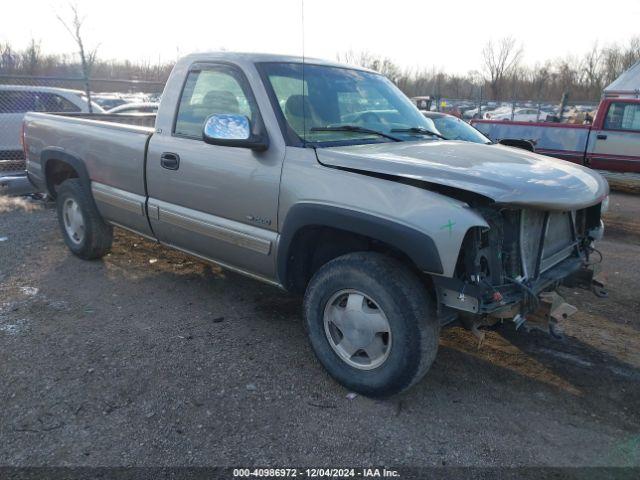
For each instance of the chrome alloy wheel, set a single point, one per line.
(357, 329)
(73, 220)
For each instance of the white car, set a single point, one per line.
(475, 112)
(490, 113)
(108, 100)
(15, 101)
(135, 108)
(519, 115)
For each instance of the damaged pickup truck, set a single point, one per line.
(326, 180)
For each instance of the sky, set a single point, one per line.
(447, 35)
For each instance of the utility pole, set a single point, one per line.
(563, 105)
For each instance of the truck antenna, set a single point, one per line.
(304, 114)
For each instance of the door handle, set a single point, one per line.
(601, 137)
(170, 161)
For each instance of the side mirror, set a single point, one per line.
(231, 130)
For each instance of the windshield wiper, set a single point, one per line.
(419, 130)
(354, 128)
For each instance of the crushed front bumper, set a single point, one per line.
(489, 300)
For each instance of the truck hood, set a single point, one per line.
(503, 174)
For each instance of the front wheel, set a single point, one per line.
(371, 323)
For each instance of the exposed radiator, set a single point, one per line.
(558, 242)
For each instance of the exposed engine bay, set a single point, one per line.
(511, 270)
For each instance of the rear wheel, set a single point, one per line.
(83, 229)
(371, 323)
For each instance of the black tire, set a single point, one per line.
(406, 304)
(98, 235)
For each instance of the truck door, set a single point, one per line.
(213, 201)
(615, 145)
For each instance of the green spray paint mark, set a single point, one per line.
(449, 225)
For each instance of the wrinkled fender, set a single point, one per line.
(78, 165)
(418, 246)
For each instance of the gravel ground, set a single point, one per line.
(150, 357)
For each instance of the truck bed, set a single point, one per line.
(13, 179)
(105, 143)
(112, 149)
(561, 140)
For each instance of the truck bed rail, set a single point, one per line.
(141, 119)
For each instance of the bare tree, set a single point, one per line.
(499, 62)
(616, 59)
(631, 53)
(8, 59)
(547, 81)
(566, 73)
(612, 59)
(32, 57)
(374, 62)
(87, 58)
(592, 69)
(541, 78)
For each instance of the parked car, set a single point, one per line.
(452, 128)
(518, 115)
(475, 112)
(136, 108)
(15, 101)
(388, 230)
(498, 110)
(107, 101)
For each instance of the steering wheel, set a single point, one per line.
(369, 117)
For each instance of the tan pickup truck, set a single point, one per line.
(325, 180)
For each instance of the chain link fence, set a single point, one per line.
(512, 110)
(20, 94)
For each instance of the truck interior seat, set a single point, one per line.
(296, 109)
(220, 101)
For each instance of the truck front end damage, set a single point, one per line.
(542, 216)
(511, 270)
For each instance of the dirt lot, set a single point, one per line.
(152, 358)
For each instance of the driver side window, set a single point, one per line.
(209, 92)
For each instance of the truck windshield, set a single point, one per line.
(335, 105)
